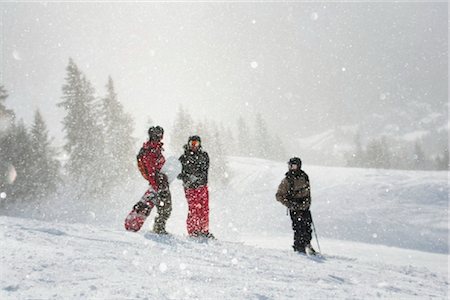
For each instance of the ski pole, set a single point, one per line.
(315, 234)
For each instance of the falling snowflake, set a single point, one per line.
(314, 16)
(254, 64)
(16, 55)
(162, 267)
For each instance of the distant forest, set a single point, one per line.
(99, 153)
(98, 157)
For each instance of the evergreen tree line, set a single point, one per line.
(258, 140)
(220, 142)
(255, 141)
(99, 149)
(99, 144)
(28, 165)
(389, 154)
(214, 140)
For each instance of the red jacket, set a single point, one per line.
(150, 161)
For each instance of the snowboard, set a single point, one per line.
(141, 210)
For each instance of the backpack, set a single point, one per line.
(140, 162)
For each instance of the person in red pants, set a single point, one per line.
(194, 174)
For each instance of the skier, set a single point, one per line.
(150, 161)
(194, 174)
(294, 192)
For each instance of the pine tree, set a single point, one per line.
(181, 130)
(45, 167)
(6, 120)
(6, 115)
(214, 145)
(119, 144)
(230, 144)
(278, 151)
(3, 96)
(244, 139)
(7, 171)
(262, 141)
(356, 158)
(377, 154)
(442, 161)
(17, 152)
(419, 158)
(84, 137)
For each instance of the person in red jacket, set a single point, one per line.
(194, 174)
(150, 161)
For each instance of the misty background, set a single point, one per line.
(320, 74)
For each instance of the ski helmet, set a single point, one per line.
(295, 161)
(155, 133)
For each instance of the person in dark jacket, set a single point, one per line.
(194, 174)
(294, 192)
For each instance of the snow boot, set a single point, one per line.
(206, 235)
(310, 250)
(299, 250)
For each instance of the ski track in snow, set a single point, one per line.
(384, 234)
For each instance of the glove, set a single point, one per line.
(193, 178)
(142, 207)
(290, 204)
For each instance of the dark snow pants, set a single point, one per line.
(301, 224)
(164, 210)
(163, 207)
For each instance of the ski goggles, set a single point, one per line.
(194, 144)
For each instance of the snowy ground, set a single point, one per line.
(384, 233)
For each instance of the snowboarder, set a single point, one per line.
(194, 174)
(150, 160)
(294, 192)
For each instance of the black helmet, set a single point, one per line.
(194, 138)
(155, 133)
(295, 161)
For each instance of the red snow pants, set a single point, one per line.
(198, 215)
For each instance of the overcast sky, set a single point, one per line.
(306, 67)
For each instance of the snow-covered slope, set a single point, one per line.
(407, 209)
(61, 261)
(385, 234)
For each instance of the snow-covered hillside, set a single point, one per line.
(384, 234)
